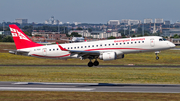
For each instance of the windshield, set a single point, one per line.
(162, 39)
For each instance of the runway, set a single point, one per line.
(130, 65)
(89, 87)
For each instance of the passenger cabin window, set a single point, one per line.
(131, 42)
(127, 42)
(142, 41)
(96, 45)
(105, 45)
(81, 46)
(49, 49)
(116, 43)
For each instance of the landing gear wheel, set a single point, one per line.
(157, 57)
(90, 64)
(96, 63)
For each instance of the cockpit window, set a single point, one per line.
(160, 39)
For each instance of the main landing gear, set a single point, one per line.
(90, 64)
(157, 57)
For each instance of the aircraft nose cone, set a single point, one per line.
(172, 45)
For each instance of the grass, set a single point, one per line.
(91, 75)
(168, 57)
(85, 96)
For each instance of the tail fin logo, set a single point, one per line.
(16, 33)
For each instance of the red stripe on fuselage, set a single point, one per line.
(50, 56)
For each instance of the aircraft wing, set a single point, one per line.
(81, 53)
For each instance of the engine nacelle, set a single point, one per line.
(108, 56)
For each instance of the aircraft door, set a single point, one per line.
(44, 51)
(152, 43)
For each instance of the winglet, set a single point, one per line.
(61, 47)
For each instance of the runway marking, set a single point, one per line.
(47, 89)
(44, 83)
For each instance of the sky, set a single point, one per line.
(88, 11)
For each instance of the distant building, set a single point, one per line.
(113, 22)
(21, 21)
(48, 36)
(134, 29)
(134, 22)
(158, 21)
(148, 21)
(77, 23)
(171, 32)
(84, 33)
(103, 34)
(98, 34)
(125, 21)
(167, 23)
(52, 21)
(177, 23)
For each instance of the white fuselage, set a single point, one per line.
(119, 46)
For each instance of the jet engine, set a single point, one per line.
(110, 56)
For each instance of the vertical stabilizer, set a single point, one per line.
(21, 39)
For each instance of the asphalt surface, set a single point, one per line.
(89, 87)
(130, 65)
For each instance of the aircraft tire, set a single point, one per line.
(157, 57)
(96, 63)
(90, 64)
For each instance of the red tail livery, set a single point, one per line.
(21, 39)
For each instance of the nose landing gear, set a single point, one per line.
(156, 53)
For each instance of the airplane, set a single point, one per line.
(75, 39)
(104, 50)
